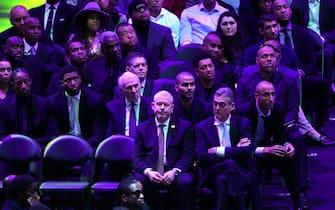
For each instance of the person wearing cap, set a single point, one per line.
(90, 22)
(156, 37)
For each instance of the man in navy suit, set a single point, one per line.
(224, 154)
(164, 153)
(61, 23)
(77, 110)
(271, 140)
(119, 110)
(286, 85)
(151, 35)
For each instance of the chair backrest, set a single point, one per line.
(164, 84)
(19, 148)
(189, 52)
(68, 149)
(174, 67)
(67, 158)
(116, 148)
(116, 155)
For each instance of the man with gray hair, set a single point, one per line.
(125, 113)
(224, 152)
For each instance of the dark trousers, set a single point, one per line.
(316, 89)
(182, 188)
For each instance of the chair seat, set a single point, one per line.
(66, 187)
(103, 187)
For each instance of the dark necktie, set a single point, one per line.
(160, 161)
(132, 121)
(259, 135)
(32, 51)
(49, 23)
(287, 37)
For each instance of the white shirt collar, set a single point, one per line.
(75, 96)
(47, 5)
(218, 122)
(27, 47)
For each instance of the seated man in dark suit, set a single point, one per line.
(164, 153)
(14, 52)
(77, 110)
(17, 16)
(224, 154)
(92, 78)
(271, 139)
(57, 17)
(24, 113)
(125, 113)
(38, 51)
(187, 106)
(208, 79)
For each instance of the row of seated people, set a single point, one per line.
(157, 41)
(129, 85)
(43, 65)
(227, 146)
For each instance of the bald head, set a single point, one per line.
(18, 14)
(265, 96)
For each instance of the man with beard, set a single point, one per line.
(156, 37)
(77, 110)
(271, 140)
(208, 79)
(286, 85)
(91, 77)
(186, 106)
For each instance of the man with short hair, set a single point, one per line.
(273, 147)
(131, 194)
(17, 16)
(224, 152)
(126, 113)
(77, 110)
(92, 78)
(129, 43)
(208, 79)
(164, 154)
(187, 106)
(56, 17)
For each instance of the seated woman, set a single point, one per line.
(232, 36)
(5, 79)
(90, 22)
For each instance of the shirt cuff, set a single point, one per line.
(146, 170)
(259, 151)
(220, 151)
